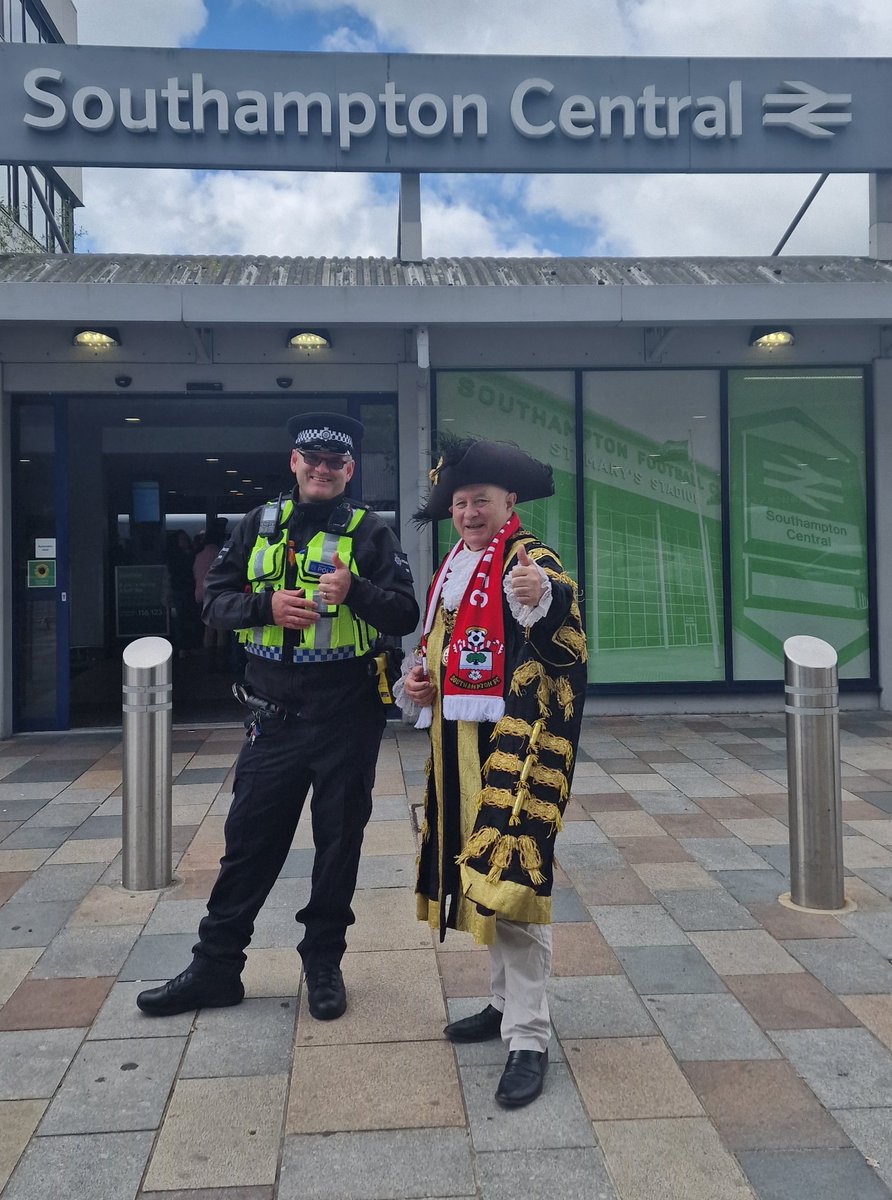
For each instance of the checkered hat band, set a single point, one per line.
(324, 435)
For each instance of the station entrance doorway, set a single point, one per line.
(116, 505)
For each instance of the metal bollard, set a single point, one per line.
(813, 770)
(147, 709)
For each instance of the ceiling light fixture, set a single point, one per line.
(309, 339)
(770, 337)
(96, 339)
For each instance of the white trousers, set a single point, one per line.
(520, 966)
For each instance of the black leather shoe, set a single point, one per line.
(522, 1078)
(326, 994)
(196, 987)
(481, 1027)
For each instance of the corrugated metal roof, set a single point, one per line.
(258, 271)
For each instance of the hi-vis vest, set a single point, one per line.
(338, 633)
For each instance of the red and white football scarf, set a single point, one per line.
(474, 675)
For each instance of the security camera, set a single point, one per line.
(284, 381)
(123, 380)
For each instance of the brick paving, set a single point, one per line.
(709, 1043)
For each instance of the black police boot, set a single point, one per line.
(204, 984)
(481, 1027)
(522, 1078)
(326, 994)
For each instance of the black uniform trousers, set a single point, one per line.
(273, 775)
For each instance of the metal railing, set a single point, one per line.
(147, 714)
(813, 772)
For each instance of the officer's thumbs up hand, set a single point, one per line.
(526, 580)
(334, 585)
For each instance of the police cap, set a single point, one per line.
(326, 431)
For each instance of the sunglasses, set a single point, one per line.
(334, 462)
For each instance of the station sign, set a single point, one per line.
(120, 106)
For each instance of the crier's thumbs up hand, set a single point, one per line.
(334, 585)
(526, 580)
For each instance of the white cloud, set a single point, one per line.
(139, 23)
(706, 214)
(274, 214)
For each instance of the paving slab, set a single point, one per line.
(722, 854)
(219, 1133)
(14, 966)
(378, 1086)
(579, 949)
(87, 951)
(599, 1006)
(637, 925)
(745, 952)
(782, 1001)
(845, 1068)
(18, 1120)
(675, 1158)
(55, 1003)
(556, 1119)
(705, 909)
(101, 1166)
(160, 956)
(32, 1062)
(115, 1087)
(629, 1078)
(32, 924)
(871, 1131)
(844, 965)
(708, 1027)
(811, 1175)
(394, 1165)
(579, 1174)
(669, 969)
(252, 1038)
(763, 1106)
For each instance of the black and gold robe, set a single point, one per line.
(496, 792)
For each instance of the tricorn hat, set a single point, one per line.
(326, 431)
(465, 462)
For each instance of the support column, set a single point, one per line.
(5, 561)
(882, 398)
(880, 220)
(408, 240)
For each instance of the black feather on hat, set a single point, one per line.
(464, 462)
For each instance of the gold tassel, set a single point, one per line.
(478, 843)
(501, 857)
(573, 640)
(552, 778)
(425, 830)
(564, 691)
(558, 745)
(525, 674)
(530, 858)
(428, 767)
(499, 760)
(521, 799)
(513, 726)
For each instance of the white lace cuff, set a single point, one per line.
(524, 614)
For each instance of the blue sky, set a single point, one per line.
(568, 215)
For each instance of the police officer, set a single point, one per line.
(306, 581)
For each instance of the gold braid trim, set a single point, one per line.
(572, 640)
(499, 760)
(478, 843)
(428, 767)
(558, 745)
(551, 778)
(561, 577)
(510, 725)
(524, 675)
(540, 552)
(563, 689)
(541, 810)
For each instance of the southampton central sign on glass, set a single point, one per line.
(91, 105)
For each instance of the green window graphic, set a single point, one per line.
(798, 517)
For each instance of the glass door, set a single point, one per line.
(40, 567)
